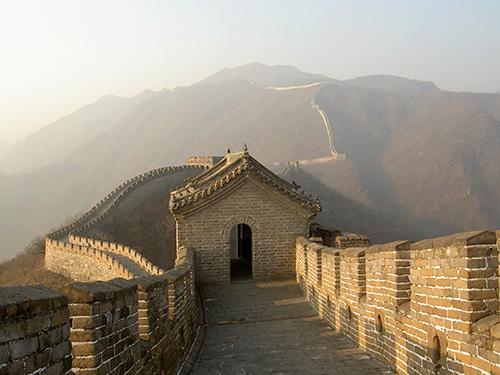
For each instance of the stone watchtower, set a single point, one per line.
(241, 219)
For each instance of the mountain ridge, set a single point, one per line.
(266, 75)
(396, 141)
(391, 83)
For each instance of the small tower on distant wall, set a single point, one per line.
(204, 161)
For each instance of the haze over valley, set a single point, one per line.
(255, 187)
(419, 162)
(3, 147)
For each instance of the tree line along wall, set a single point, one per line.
(425, 307)
(141, 326)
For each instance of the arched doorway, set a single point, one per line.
(241, 252)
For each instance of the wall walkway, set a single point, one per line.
(268, 327)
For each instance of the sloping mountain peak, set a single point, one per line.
(391, 83)
(57, 140)
(267, 75)
(144, 96)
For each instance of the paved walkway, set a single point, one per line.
(269, 328)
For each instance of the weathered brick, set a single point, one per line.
(23, 347)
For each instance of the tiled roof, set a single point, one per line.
(229, 169)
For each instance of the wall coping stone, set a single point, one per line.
(331, 250)
(96, 291)
(302, 241)
(353, 252)
(391, 246)
(147, 283)
(484, 324)
(123, 283)
(182, 265)
(353, 236)
(478, 237)
(313, 246)
(495, 331)
(27, 300)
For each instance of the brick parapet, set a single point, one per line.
(64, 258)
(141, 326)
(346, 240)
(152, 292)
(204, 161)
(80, 258)
(117, 248)
(427, 306)
(387, 289)
(34, 331)
(335, 238)
(103, 208)
(327, 235)
(104, 326)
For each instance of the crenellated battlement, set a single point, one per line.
(421, 307)
(418, 307)
(117, 248)
(104, 206)
(140, 326)
(70, 253)
(83, 263)
(204, 161)
(125, 314)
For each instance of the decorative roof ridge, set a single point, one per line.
(223, 164)
(228, 170)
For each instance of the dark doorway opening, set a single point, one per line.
(241, 252)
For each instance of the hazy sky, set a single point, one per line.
(56, 56)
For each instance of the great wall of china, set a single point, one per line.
(421, 308)
(106, 323)
(324, 119)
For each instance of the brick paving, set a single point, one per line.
(269, 328)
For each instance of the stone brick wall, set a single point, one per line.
(34, 331)
(327, 235)
(335, 238)
(140, 326)
(117, 248)
(69, 253)
(204, 161)
(274, 222)
(104, 326)
(82, 263)
(425, 307)
(346, 240)
(105, 206)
